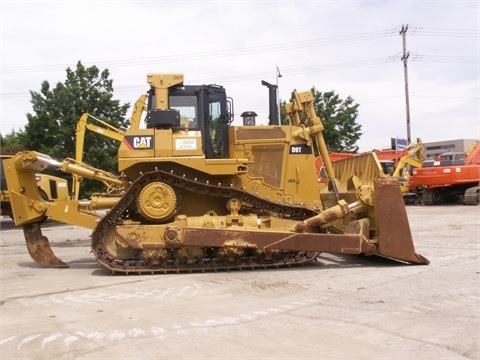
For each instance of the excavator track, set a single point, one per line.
(429, 197)
(472, 195)
(188, 259)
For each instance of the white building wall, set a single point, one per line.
(433, 149)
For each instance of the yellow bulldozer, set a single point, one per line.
(196, 193)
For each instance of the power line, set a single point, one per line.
(446, 32)
(449, 59)
(297, 71)
(382, 98)
(254, 76)
(275, 47)
(257, 49)
(207, 54)
(204, 55)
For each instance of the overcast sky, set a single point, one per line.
(351, 47)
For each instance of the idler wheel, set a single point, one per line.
(116, 247)
(157, 202)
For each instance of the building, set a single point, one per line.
(433, 149)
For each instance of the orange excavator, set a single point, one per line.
(454, 177)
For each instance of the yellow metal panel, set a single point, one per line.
(163, 143)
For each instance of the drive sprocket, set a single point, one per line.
(157, 202)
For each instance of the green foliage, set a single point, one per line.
(11, 143)
(284, 120)
(51, 129)
(339, 120)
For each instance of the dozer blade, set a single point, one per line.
(395, 239)
(39, 247)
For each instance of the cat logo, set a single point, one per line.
(138, 142)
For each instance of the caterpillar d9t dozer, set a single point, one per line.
(197, 194)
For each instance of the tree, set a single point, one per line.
(11, 143)
(341, 131)
(51, 130)
(339, 120)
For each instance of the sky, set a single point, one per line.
(351, 47)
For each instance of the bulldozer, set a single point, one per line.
(197, 193)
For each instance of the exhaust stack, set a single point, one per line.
(273, 115)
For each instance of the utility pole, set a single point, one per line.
(403, 32)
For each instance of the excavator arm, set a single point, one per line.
(412, 157)
(406, 160)
(473, 154)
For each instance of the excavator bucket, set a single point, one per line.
(395, 238)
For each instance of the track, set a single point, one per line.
(452, 194)
(184, 259)
(472, 195)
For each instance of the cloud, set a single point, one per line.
(352, 47)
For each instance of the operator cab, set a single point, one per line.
(388, 167)
(452, 158)
(203, 108)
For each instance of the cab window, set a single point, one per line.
(187, 106)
